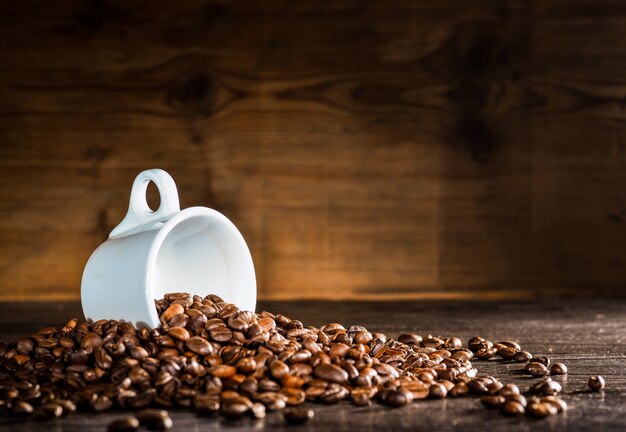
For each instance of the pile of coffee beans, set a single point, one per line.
(210, 356)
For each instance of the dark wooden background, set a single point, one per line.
(365, 149)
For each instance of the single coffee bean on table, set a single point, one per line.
(124, 424)
(558, 369)
(210, 356)
(596, 383)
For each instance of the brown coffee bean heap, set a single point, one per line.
(215, 358)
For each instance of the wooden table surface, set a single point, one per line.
(589, 336)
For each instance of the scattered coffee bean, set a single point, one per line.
(513, 408)
(21, 408)
(492, 401)
(557, 402)
(517, 398)
(124, 424)
(522, 357)
(397, 398)
(438, 391)
(299, 415)
(536, 369)
(507, 352)
(541, 410)
(509, 390)
(541, 359)
(155, 419)
(551, 388)
(558, 369)
(596, 383)
(48, 411)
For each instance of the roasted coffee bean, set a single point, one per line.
(537, 388)
(124, 424)
(541, 359)
(492, 401)
(541, 410)
(395, 398)
(178, 333)
(438, 391)
(155, 419)
(48, 411)
(555, 401)
(236, 407)
(331, 373)
(258, 410)
(511, 344)
(551, 388)
(507, 353)
(517, 398)
(486, 353)
(459, 389)
(596, 383)
(410, 339)
(513, 408)
(558, 369)
(22, 408)
(298, 415)
(509, 390)
(521, 357)
(199, 345)
(536, 369)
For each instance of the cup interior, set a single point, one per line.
(202, 254)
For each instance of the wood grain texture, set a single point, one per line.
(588, 336)
(364, 149)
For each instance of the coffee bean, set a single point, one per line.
(459, 389)
(522, 357)
(558, 369)
(48, 411)
(410, 339)
(235, 407)
(492, 401)
(541, 359)
(222, 371)
(258, 410)
(551, 388)
(155, 419)
(199, 345)
(396, 398)
(511, 344)
(507, 353)
(513, 408)
(517, 398)
(331, 373)
(509, 390)
(298, 415)
(541, 410)
(178, 333)
(22, 408)
(486, 353)
(555, 401)
(596, 383)
(124, 424)
(174, 309)
(537, 388)
(536, 369)
(438, 391)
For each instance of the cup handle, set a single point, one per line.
(139, 214)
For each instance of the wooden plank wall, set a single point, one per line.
(365, 149)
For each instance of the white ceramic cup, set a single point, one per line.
(195, 250)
